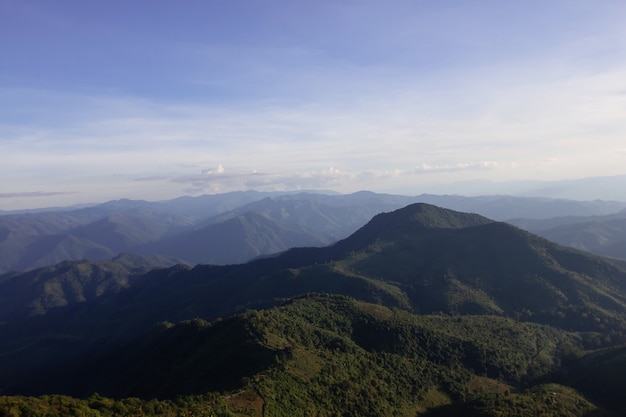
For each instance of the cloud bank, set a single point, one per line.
(396, 97)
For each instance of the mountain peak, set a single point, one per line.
(414, 218)
(429, 216)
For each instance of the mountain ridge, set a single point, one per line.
(418, 263)
(31, 240)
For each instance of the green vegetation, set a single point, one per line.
(423, 311)
(549, 400)
(98, 406)
(329, 355)
(70, 282)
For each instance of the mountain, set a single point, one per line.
(209, 205)
(505, 207)
(420, 257)
(236, 240)
(422, 310)
(602, 235)
(606, 238)
(335, 216)
(42, 290)
(36, 239)
(122, 232)
(29, 241)
(590, 188)
(453, 262)
(186, 227)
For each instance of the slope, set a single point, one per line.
(458, 263)
(330, 355)
(39, 291)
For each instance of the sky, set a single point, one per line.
(154, 99)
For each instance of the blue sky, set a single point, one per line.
(157, 99)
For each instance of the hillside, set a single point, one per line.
(329, 355)
(461, 263)
(39, 291)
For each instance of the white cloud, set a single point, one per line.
(35, 194)
(383, 113)
(464, 166)
(216, 171)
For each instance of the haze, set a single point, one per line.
(157, 99)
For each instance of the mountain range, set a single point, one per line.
(421, 311)
(234, 227)
(603, 235)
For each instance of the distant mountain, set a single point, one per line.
(335, 216)
(505, 207)
(125, 231)
(611, 188)
(206, 206)
(33, 240)
(602, 235)
(186, 227)
(236, 240)
(36, 240)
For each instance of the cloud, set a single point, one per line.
(36, 194)
(217, 171)
(412, 104)
(217, 181)
(459, 167)
(328, 178)
(151, 179)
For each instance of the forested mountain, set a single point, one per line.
(39, 291)
(319, 343)
(187, 227)
(500, 310)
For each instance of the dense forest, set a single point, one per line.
(422, 312)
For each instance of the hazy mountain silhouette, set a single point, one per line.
(31, 240)
(602, 235)
(236, 240)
